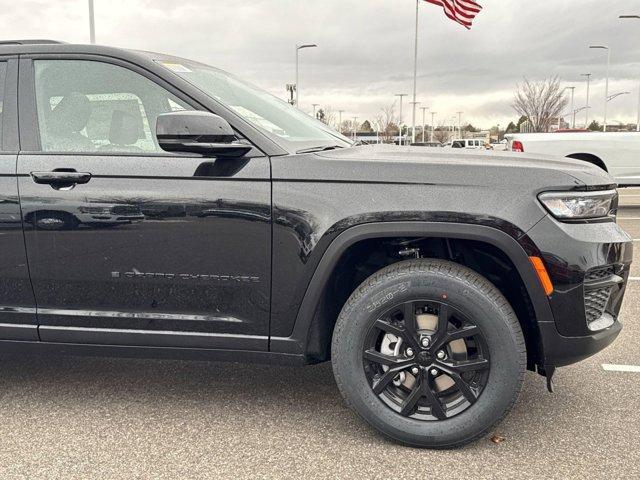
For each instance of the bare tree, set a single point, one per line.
(347, 127)
(441, 134)
(385, 123)
(329, 117)
(541, 102)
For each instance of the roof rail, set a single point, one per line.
(28, 42)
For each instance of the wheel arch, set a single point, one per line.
(590, 158)
(309, 325)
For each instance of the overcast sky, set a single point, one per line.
(366, 47)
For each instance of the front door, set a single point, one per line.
(129, 245)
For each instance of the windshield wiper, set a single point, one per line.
(319, 149)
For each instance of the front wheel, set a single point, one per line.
(429, 353)
(55, 221)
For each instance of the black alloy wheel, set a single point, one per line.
(429, 353)
(432, 374)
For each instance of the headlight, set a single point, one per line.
(580, 205)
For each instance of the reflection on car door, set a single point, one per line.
(128, 245)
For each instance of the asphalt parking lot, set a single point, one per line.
(121, 418)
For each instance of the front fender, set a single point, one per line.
(513, 248)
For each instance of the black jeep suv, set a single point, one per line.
(155, 206)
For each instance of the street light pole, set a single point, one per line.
(340, 112)
(616, 95)
(315, 106)
(460, 124)
(433, 125)
(573, 121)
(355, 128)
(586, 120)
(415, 77)
(636, 17)
(298, 48)
(578, 110)
(413, 126)
(424, 124)
(92, 24)
(606, 88)
(401, 96)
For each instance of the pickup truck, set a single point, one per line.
(617, 153)
(432, 279)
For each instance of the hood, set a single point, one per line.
(424, 165)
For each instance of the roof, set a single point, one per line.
(29, 42)
(29, 46)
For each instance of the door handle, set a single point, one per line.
(61, 178)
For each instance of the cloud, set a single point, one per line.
(365, 47)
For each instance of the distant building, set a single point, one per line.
(558, 124)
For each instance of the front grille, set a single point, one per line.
(595, 302)
(599, 273)
(125, 210)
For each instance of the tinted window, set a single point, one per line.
(88, 106)
(287, 125)
(3, 78)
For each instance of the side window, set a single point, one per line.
(90, 106)
(3, 78)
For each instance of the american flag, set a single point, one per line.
(461, 11)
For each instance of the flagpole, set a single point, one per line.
(415, 78)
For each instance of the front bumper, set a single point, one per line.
(589, 266)
(560, 350)
(108, 218)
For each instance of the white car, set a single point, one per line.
(616, 152)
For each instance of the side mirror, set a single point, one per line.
(198, 132)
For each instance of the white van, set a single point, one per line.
(471, 143)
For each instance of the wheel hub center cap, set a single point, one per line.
(424, 359)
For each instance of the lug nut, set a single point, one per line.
(441, 355)
(409, 352)
(415, 370)
(434, 372)
(425, 342)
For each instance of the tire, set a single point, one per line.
(459, 294)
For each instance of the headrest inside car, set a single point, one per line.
(126, 128)
(71, 114)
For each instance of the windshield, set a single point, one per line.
(285, 124)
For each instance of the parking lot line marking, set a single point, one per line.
(634, 279)
(628, 218)
(621, 368)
